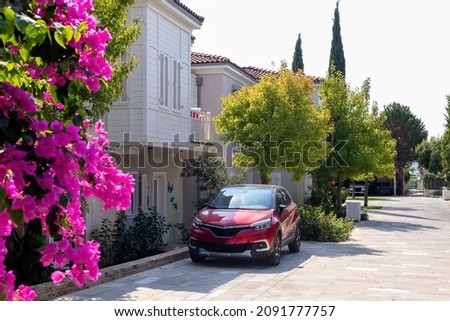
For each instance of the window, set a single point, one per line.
(159, 192)
(139, 198)
(176, 85)
(169, 82)
(164, 80)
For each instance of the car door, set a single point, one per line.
(285, 213)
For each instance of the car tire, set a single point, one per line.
(274, 258)
(294, 246)
(195, 257)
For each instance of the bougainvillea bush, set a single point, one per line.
(51, 157)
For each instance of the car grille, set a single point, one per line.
(221, 248)
(225, 231)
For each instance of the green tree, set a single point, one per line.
(337, 58)
(429, 155)
(445, 143)
(297, 62)
(361, 148)
(112, 14)
(276, 125)
(408, 130)
(378, 150)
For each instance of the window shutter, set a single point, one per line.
(144, 192)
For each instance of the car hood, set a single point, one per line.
(229, 217)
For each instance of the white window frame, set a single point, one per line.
(176, 85)
(139, 198)
(169, 82)
(159, 192)
(163, 80)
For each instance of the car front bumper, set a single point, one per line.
(257, 249)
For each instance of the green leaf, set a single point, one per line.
(68, 33)
(22, 21)
(77, 120)
(24, 53)
(53, 93)
(76, 35)
(9, 13)
(10, 66)
(59, 38)
(16, 216)
(64, 200)
(3, 203)
(6, 30)
(65, 64)
(37, 32)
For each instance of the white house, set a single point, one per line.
(153, 118)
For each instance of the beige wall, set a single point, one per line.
(171, 189)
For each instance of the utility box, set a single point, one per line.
(445, 193)
(353, 210)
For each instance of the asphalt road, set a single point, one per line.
(401, 253)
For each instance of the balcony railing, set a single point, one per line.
(200, 125)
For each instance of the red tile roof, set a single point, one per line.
(255, 72)
(188, 10)
(202, 58)
(258, 73)
(198, 58)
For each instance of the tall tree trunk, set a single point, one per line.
(264, 179)
(338, 201)
(366, 193)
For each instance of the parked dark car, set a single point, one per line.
(246, 221)
(384, 189)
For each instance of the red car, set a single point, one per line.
(246, 221)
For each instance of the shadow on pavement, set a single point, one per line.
(342, 249)
(384, 212)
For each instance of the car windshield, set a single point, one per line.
(243, 198)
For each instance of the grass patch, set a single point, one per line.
(372, 207)
(372, 198)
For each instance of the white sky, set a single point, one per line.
(403, 46)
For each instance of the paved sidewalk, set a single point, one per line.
(401, 253)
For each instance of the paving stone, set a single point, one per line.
(401, 253)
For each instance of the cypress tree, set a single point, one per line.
(337, 49)
(297, 62)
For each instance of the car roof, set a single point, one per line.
(261, 186)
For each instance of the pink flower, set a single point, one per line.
(24, 293)
(57, 277)
(6, 224)
(13, 50)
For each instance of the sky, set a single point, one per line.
(403, 46)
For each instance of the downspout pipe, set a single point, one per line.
(199, 83)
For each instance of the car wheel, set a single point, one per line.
(274, 258)
(294, 246)
(195, 257)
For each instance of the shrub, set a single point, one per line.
(121, 243)
(316, 225)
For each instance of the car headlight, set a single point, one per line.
(197, 222)
(261, 225)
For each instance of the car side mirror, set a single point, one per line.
(281, 208)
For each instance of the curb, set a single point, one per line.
(49, 291)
